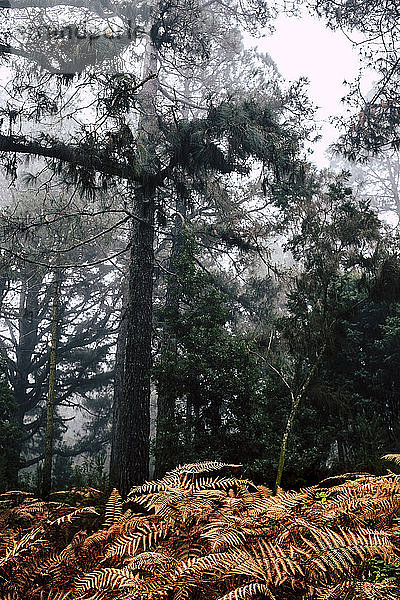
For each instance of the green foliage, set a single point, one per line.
(335, 240)
(232, 136)
(91, 473)
(208, 377)
(379, 570)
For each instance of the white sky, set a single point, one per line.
(305, 47)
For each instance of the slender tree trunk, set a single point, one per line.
(394, 186)
(340, 447)
(296, 399)
(3, 288)
(49, 436)
(289, 424)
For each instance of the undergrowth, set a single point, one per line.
(202, 536)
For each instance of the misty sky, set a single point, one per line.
(305, 47)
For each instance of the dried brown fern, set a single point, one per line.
(113, 509)
(206, 537)
(393, 457)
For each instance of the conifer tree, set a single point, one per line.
(140, 145)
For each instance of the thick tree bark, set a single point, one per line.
(132, 439)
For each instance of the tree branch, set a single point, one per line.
(100, 162)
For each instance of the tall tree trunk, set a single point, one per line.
(131, 443)
(49, 436)
(165, 404)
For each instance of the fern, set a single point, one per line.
(248, 591)
(202, 467)
(393, 457)
(145, 537)
(205, 537)
(113, 509)
(182, 476)
(151, 561)
(76, 514)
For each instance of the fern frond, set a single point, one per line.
(360, 590)
(14, 497)
(67, 557)
(113, 511)
(60, 596)
(88, 510)
(277, 507)
(341, 551)
(84, 492)
(277, 563)
(179, 477)
(147, 589)
(144, 538)
(151, 561)
(106, 579)
(224, 534)
(248, 591)
(23, 545)
(34, 509)
(392, 457)
(220, 563)
(223, 483)
(178, 504)
(207, 466)
(212, 563)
